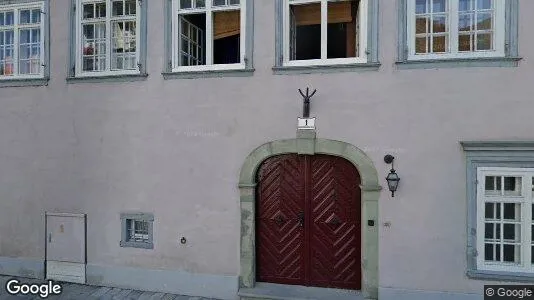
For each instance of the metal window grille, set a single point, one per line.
(137, 231)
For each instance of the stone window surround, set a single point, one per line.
(511, 58)
(516, 154)
(148, 217)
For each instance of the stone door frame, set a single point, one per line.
(307, 143)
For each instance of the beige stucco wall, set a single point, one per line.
(175, 148)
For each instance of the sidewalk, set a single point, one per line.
(79, 291)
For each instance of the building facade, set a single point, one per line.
(155, 145)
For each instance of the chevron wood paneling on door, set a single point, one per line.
(308, 222)
(335, 223)
(280, 238)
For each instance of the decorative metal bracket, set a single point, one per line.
(306, 99)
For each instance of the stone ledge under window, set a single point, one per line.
(141, 245)
(290, 70)
(21, 82)
(504, 62)
(108, 78)
(500, 276)
(208, 74)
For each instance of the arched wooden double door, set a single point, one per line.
(308, 222)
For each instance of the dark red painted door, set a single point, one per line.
(308, 222)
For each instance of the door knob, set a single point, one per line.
(300, 219)
(279, 220)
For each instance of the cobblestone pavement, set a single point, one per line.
(80, 291)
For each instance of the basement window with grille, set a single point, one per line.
(137, 230)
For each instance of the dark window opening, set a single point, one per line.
(305, 31)
(226, 37)
(308, 45)
(342, 30)
(227, 50)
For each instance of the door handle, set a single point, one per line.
(300, 219)
(50, 237)
(279, 220)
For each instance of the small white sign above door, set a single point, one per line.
(306, 123)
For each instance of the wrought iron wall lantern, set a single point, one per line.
(392, 178)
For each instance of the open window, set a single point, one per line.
(325, 32)
(208, 35)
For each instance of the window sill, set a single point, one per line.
(21, 82)
(208, 74)
(108, 78)
(459, 63)
(137, 245)
(501, 276)
(289, 70)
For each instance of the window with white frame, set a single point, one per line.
(440, 29)
(325, 32)
(108, 37)
(21, 40)
(505, 224)
(208, 35)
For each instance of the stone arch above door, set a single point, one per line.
(306, 143)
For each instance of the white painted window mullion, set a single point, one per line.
(480, 219)
(498, 26)
(78, 38)
(138, 34)
(108, 36)
(526, 240)
(453, 21)
(411, 27)
(362, 30)
(243, 31)
(324, 29)
(209, 33)
(16, 42)
(175, 46)
(286, 28)
(42, 43)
